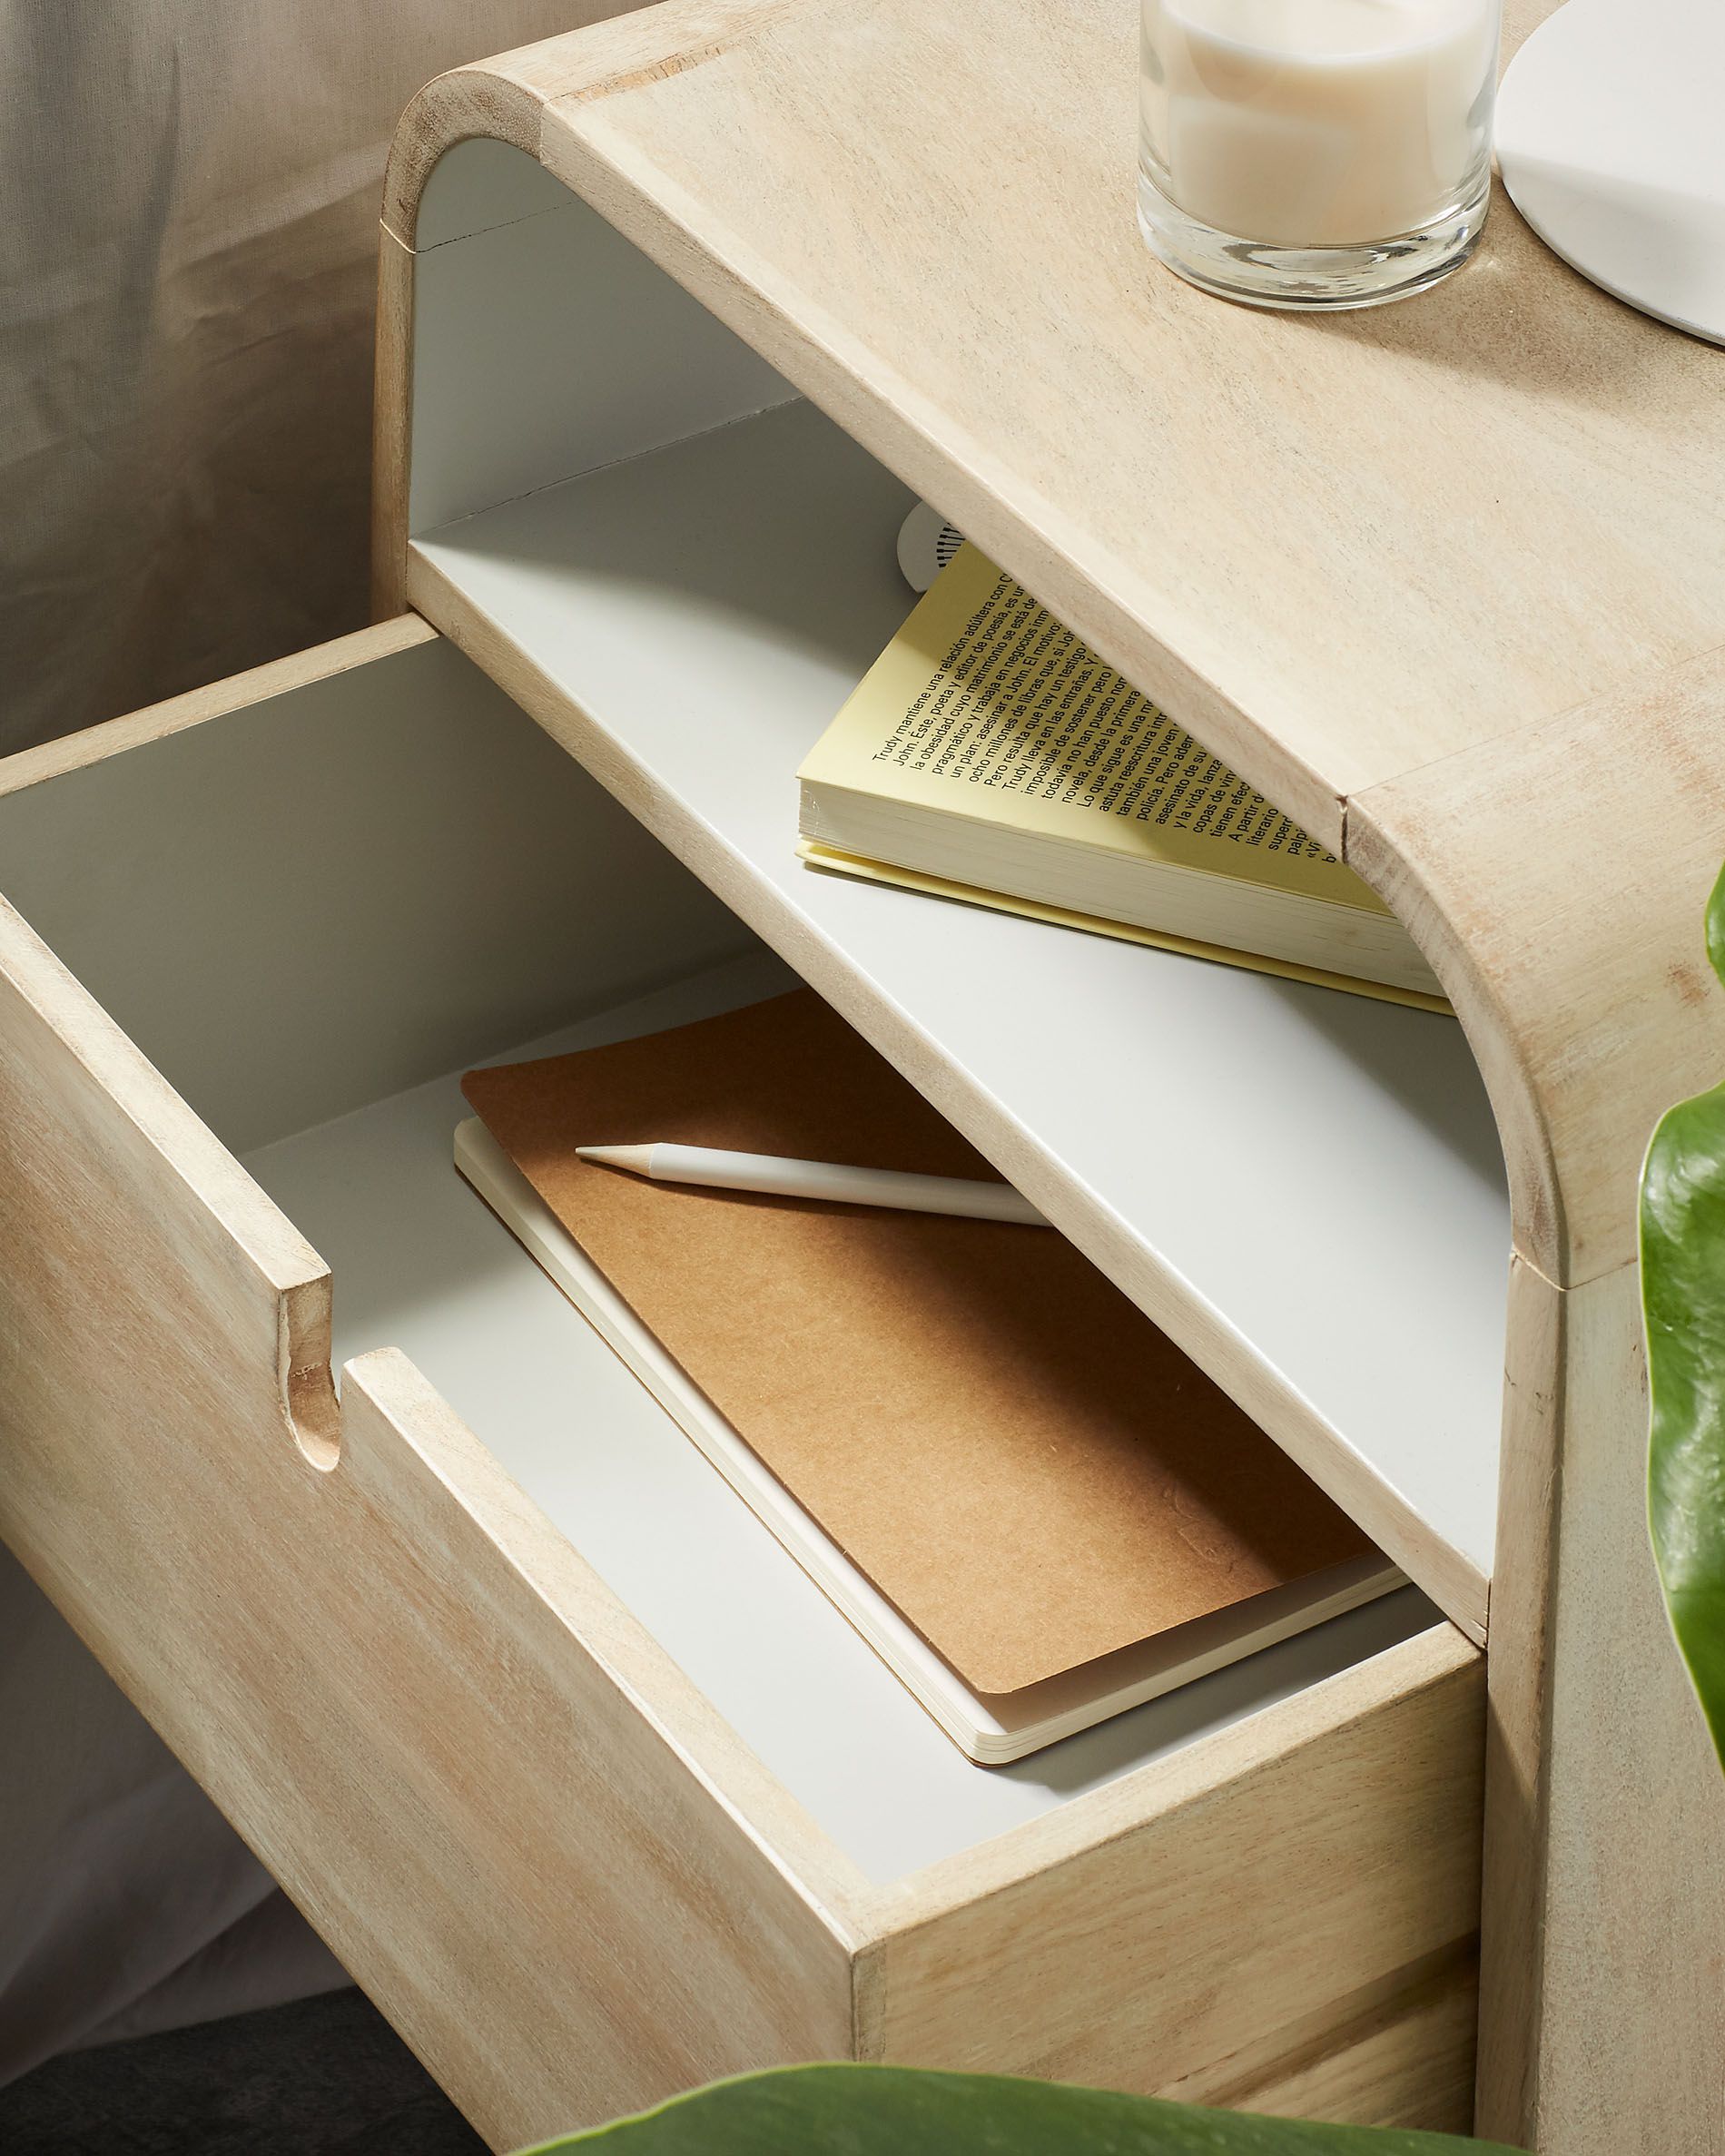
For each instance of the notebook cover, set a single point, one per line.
(1028, 1470)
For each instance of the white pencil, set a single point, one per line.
(766, 1173)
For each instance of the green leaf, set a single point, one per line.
(1682, 1240)
(897, 2110)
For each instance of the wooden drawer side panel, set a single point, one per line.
(113, 1198)
(1254, 1926)
(436, 1727)
(1408, 2062)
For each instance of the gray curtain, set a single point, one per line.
(187, 258)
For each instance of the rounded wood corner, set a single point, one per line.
(1489, 1019)
(1557, 879)
(483, 101)
(308, 1377)
(504, 98)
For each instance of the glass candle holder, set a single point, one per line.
(1316, 153)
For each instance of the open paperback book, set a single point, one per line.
(990, 755)
(1027, 1502)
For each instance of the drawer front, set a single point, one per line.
(411, 1696)
(1293, 1912)
(533, 1839)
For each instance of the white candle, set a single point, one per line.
(1317, 122)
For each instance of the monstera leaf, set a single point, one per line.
(896, 2111)
(1683, 1301)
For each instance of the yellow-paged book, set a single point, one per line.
(989, 754)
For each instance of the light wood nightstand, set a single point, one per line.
(497, 1678)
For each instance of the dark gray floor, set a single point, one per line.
(324, 2077)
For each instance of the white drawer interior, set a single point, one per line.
(313, 914)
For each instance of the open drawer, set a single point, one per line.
(589, 1787)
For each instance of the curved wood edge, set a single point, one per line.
(1579, 1047)
(1573, 1217)
(494, 100)
(503, 100)
(541, 99)
(488, 99)
(1559, 882)
(1558, 879)
(504, 97)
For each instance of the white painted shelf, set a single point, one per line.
(1303, 1187)
(421, 1263)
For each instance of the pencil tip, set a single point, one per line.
(635, 1159)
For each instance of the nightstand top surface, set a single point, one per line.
(1340, 548)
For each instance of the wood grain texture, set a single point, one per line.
(391, 424)
(512, 1816)
(607, 47)
(1286, 1882)
(1365, 455)
(1521, 19)
(1518, 1720)
(1516, 415)
(1602, 2010)
(1407, 2061)
(1562, 874)
(1474, 567)
(500, 100)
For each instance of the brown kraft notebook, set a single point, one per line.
(1006, 1447)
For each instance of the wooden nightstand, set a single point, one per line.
(497, 1678)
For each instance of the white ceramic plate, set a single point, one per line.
(1611, 134)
